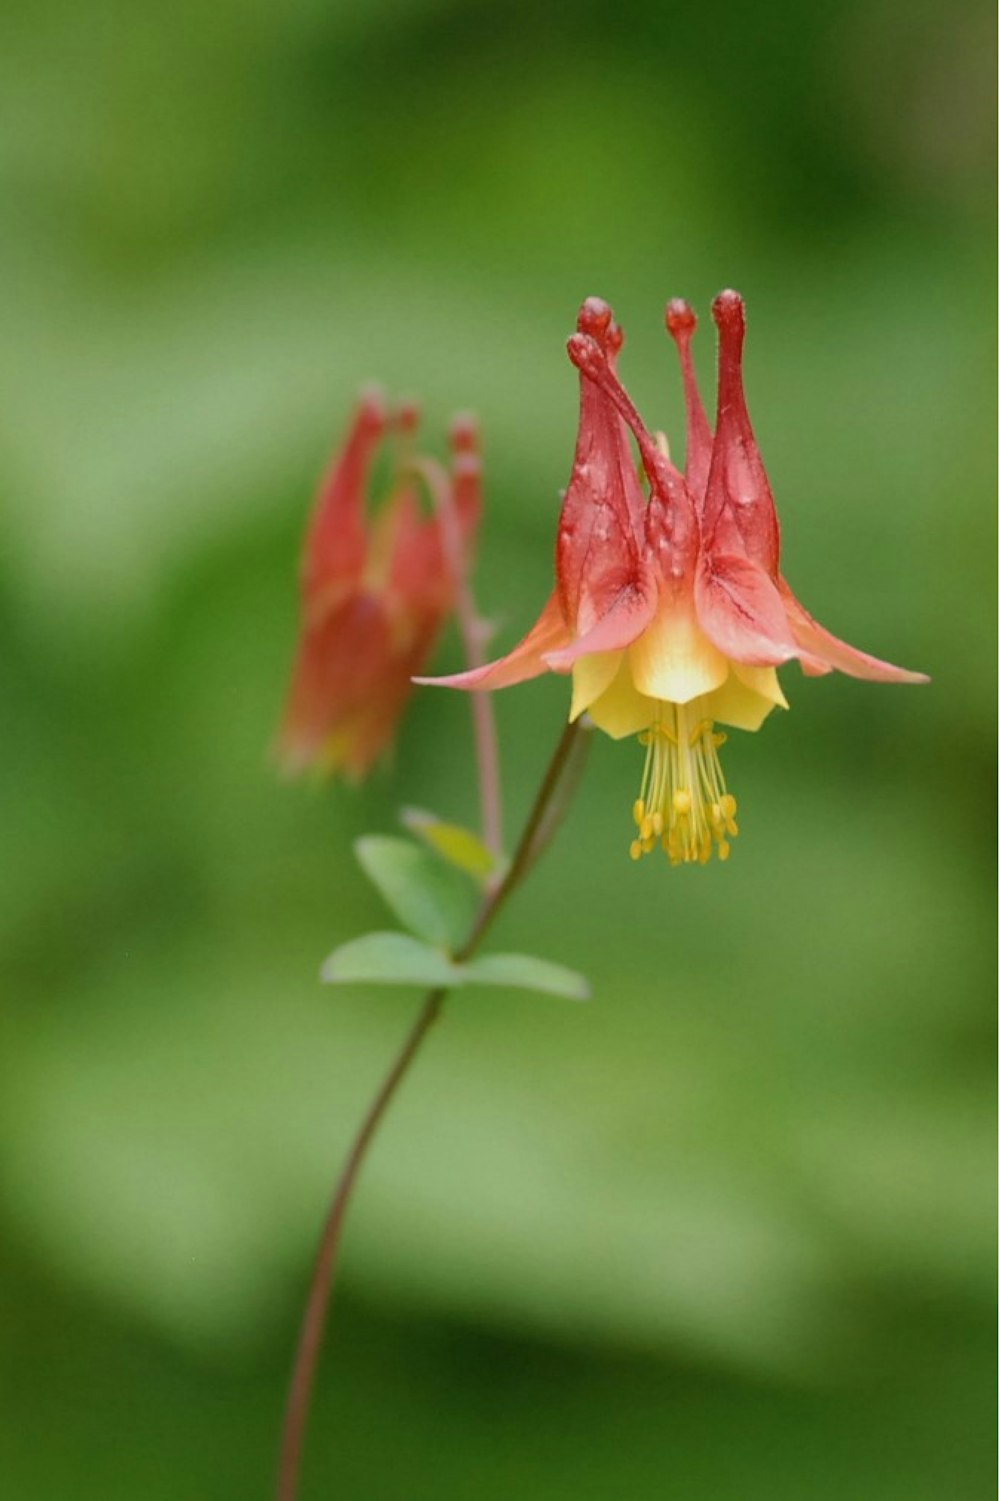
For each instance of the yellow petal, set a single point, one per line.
(591, 676)
(762, 680)
(742, 704)
(621, 709)
(674, 660)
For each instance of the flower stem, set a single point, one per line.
(475, 632)
(565, 760)
(485, 735)
(311, 1333)
(324, 1268)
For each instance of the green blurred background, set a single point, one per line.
(727, 1231)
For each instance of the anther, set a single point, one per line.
(684, 806)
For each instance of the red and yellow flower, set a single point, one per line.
(375, 592)
(670, 611)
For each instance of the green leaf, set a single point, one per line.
(459, 846)
(390, 959)
(431, 898)
(398, 959)
(523, 972)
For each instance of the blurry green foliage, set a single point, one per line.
(725, 1232)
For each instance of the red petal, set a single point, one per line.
(335, 545)
(739, 509)
(416, 578)
(600, 525)
(741, 612)
(619, 627)
(525, 661)
(681, 324)
(340, 664)
(831, 653)
(670, 525)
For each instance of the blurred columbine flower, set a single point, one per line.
(670, 611)
(375, 592)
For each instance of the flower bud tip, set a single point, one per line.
(680, 318)
(728, 310)
(371, 404)
(463, 433)
(586, 353)
(596, 319)
(406, 417)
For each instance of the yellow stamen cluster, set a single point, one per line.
(683, 805)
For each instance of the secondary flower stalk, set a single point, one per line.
(670, 611)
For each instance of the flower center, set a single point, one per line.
(683, 804)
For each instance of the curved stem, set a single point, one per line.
(324, 1268)
(528, 846)
(314, 1317)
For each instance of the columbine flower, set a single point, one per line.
(669, 610)
(374, 592)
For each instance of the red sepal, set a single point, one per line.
(622, 624)
(740, 611)
(526, 660)
(335, 545)
(829, 653)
